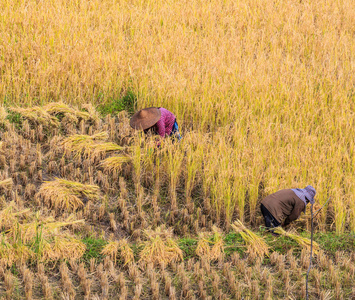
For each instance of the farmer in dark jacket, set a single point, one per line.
(286, 205)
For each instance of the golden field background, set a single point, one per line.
(263, 90)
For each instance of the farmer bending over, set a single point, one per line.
(286, 205)
(157, 120)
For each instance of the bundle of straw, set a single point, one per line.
(87, 145)
(114, 163)
(299, 239)
(122, 246)
(160, 247)
(256, 244)
(6, 184)
(66, 195)
(203, 248)
(56, 108)
(37, 115)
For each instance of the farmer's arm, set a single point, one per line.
(295, 213)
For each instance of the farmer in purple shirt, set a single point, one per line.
(156, 119)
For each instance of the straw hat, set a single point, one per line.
(145, 118)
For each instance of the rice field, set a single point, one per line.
(87, 206)
(264, 96)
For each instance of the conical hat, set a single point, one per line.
(145, 118)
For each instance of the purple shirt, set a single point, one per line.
(165, 124)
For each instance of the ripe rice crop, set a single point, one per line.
(263, 92)
(267, 86)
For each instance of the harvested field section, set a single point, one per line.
(92, 210)
(192, 279)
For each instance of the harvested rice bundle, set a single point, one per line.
(37, 115)
(56, 108)
(122, 246)
(63, 247)
(78, 142)
(114, 164)
(30, 230)
(105, 147)
(204, 249)
(6, 185)
(92, 113)
(86, 145)
(217, 250)
(126, 251)
(13, 251)
(7, 254)
(10, 215)
(299, 239)
(28, 235)
(62, 194)
(111, 250)
(160, 247)
(256, 244)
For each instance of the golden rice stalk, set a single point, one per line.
(7, 255)
(63, 247)
(92, 114)
(6, 184)
(203, 248)
(62, 194)
(307, 214)
(25, 232)
(160, 247)
(37, 115)
(52, 227)
(122, 246)
(56, 108)
(89, 144)
(22, 252)
(105, 147)
(126, 251)
(47, 228)
(217, 250)
(303, 241)
(114, 164)
(3, 115)
(71, 113)
(256, 244)
(111, 250)
(78, 142)
(204, 244)
(10, 215)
